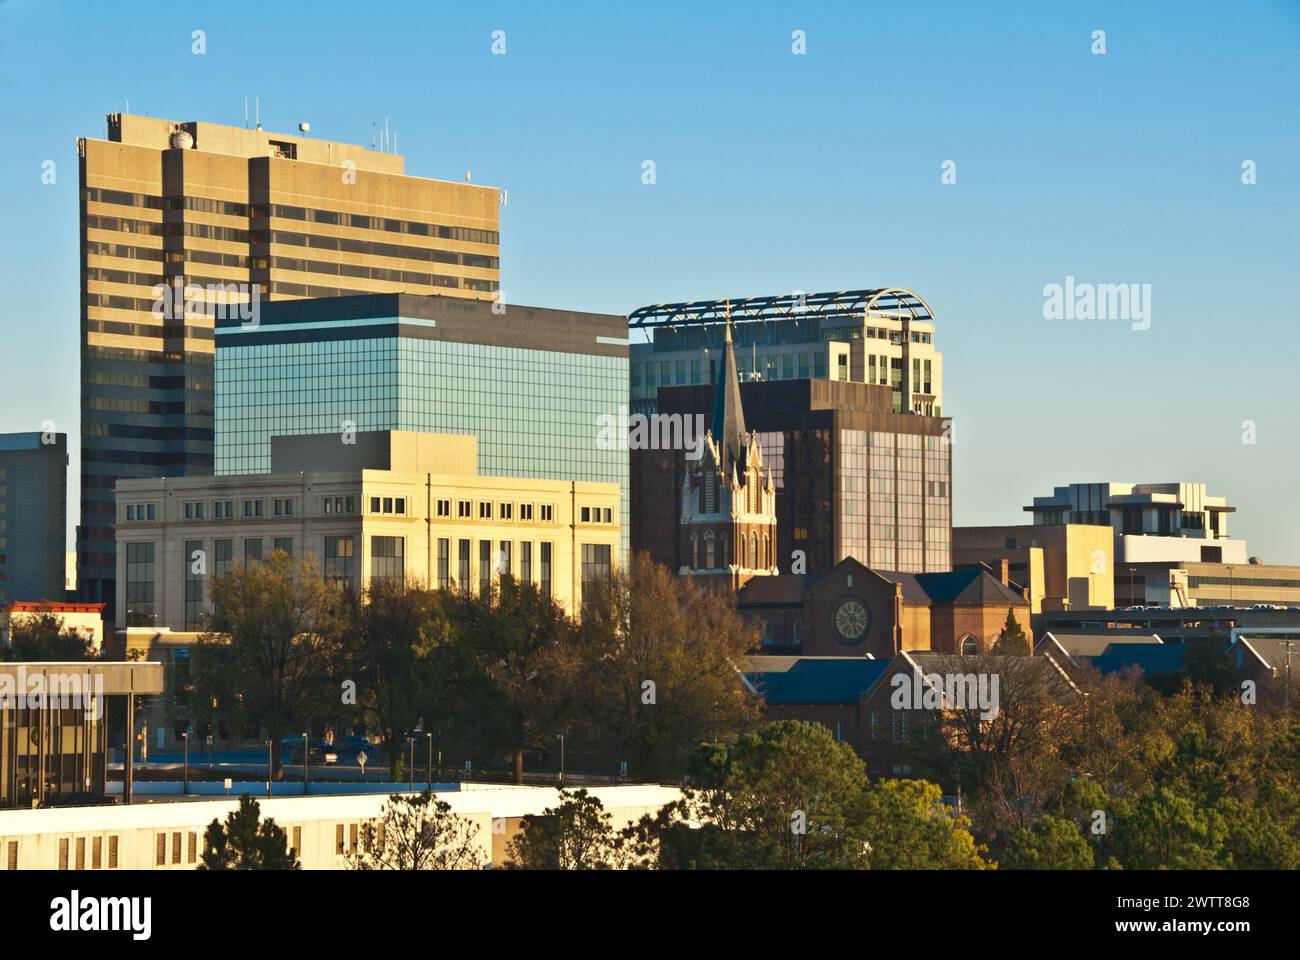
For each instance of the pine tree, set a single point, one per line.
(247, 843)
(1011, 642)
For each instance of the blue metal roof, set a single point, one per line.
(815, 679)
(1150, 658)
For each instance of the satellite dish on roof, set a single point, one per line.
(183, 140)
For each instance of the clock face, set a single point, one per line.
(851, 620)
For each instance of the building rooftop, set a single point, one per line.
(812, 679)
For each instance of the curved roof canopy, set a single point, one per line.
(884, 301)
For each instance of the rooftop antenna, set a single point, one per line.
(246, 113)
(394, 139)
(385, 134)
(372, 134)
(469, 176)
(257, 107)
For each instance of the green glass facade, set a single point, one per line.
(535, 411)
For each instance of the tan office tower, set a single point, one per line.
(181, 219)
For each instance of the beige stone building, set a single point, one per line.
(392, 505)
(1066, 566)
(178, 217)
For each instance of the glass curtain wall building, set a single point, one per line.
(531, 384)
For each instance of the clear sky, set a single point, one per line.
(777, 172)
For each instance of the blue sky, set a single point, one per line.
(778, 172)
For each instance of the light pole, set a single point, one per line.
(306, 758)
(561, 780)
(411, 771)
(1132, 591)
(430, 764)
(185, 782)
(268, 768)
(1231, 600)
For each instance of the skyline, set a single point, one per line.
(1081, 153)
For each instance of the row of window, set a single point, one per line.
(498, 510)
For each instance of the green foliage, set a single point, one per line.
(418, 833)
(907, 827)
(578, 834)
(42, 638)
(1050, 844)
(244, 843)
(1012, 641)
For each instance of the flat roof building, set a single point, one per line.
(180, 219)
(883, 336)
(532, 384)
(33, 515)
(390, 504)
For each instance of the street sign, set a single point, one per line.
(361, 760)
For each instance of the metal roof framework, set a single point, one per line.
(894, 302)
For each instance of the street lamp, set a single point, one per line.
(1231, 602)
(1132, 591)
(185, 783)
(306, 759)
(430, 764)
(561, 780)
(268, 768)
(411, 771)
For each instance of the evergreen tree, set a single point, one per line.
(1011, 642)
(245, 842)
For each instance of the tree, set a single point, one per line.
(391, 636)
(576, 835)
(42, 637)
(1011, 642)
(245, 844)
(1166, 831)
(657, 670)
(1050, 844)
(784, 796)
(271, 651)
(419, 833)
(508, 666)
(907, 827)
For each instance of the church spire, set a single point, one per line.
(728, 425)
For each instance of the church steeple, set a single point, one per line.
(728, 425)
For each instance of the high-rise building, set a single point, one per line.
(33, 515)
(180, 220)
(532, 384)
(883, 337)
(862, 468)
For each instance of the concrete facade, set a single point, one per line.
(33, 515)
(1067, 566)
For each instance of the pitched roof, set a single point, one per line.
(932, 661)
(1150, 658)
(1271, 652)
(1090, 643)
(971, 585)
(811, 679)
(785, 588)
(728, 426)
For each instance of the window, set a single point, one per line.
(595, 565)
(969, 646)
(222, 509)
(526, 562)
(112, 852)
(194, 510)
(462, 509)
(608, 516)
(463, 565)
(160, 859)
(252, 549)
(194, 566)
(444, 562)
(526, 512)
(548, 512)
(340, 559)
(443, 508)
(546, 570)
(586, 514)
(283, 545)
(504, 554)
(484, 567)
(338, 505)
(504, 510)
(254, 508)
(140, 609)
(222, 557)
(283, 507)
(485, 510)
(399, 505)
(97, 853)
(387, 558)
